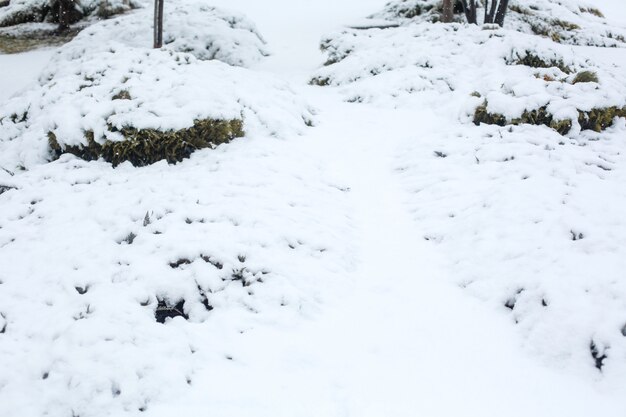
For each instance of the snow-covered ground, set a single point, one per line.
(20, 70)
(360, 268)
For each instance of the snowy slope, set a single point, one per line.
(523, 214)
(362, 268)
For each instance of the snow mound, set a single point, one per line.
(205, 32)
(515, 73)
(568, 21)
(98, 87)
(531, 223)
(121, 288)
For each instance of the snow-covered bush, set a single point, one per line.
(507, 75)
(569, 22)
(193, 27)
(106, 90)
(28, 11)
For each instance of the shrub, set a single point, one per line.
(532, 60)
(585, 77)
(597, 119)
(146, 146)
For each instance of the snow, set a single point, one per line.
(366, 261)
(167, 89)
(20, 70)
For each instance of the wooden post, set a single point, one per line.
(158, 23)
(448, 11)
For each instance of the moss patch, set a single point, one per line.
(596, 119)
(585, 77)
(146, 146)
(482, 115)
(569, 26)
(534, 61)
(600, 119)
(592, 10)
(321, 81)
(122, 95)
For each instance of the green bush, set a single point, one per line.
(146, 146)
(535, 61)
(597, 119)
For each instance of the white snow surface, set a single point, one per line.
(366, 263)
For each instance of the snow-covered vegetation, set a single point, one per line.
(107, 86)
(569, 22)
(427, 220)
(524, 213)
(46, 11)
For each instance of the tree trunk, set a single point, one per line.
(158, 23)
(504, 4)
(65, 13)
(490, 12)
(448, 11)
(470, 11)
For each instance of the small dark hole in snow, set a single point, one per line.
(242, 258)
(204, 299)
(510, 303)
(45, 375)
(624, 330)
(146, 219)
(238, 275)
(82, 290)
(188, 220)
(5, 188)
(597, 356)
(544, 302)
(440, 154)
(212, 261)
(130, 238)
(165, 310)
(576, 235)
(230, 358)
